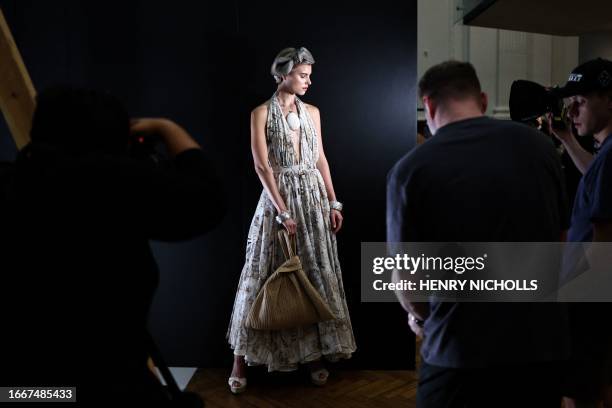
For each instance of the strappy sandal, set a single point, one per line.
(242, 383)
(319, 377)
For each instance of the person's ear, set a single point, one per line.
(484, 102)
(430, 106)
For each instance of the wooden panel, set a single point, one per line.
(354, 389)
(17, 94)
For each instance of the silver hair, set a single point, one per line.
(287, 59)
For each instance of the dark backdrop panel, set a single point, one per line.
(363, 83)
(206, 66)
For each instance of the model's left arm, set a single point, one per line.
(323, 166)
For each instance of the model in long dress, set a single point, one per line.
(297, 186)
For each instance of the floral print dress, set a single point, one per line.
(303, 190)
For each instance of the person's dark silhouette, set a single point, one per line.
(77, 216)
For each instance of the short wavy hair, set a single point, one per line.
(287, 59)
(450, 80)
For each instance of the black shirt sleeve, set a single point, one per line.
(400, 211)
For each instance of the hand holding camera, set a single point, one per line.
(563, 134)
(530, 101)
(145, 131)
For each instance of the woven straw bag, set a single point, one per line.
(287, 299)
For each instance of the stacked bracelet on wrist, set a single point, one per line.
(282, 217)
(336, 205)
(418, 322)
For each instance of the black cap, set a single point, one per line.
(594, 75)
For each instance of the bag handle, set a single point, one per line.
(287, 244)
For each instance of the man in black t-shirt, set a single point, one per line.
(479, 179)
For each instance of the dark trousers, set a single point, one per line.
(526, 386)
(589, 369)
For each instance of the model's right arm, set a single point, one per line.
(259, 148)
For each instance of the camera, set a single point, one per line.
(529, 101)
(145, 147)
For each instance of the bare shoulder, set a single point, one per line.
(314, 113)
(312, 109)
(260, 112)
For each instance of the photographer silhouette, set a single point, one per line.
(78, 272)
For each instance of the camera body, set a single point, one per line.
(530, 101)
(145, 147)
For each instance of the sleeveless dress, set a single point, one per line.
(302, 188)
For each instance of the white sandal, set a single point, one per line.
(319, 377)
(242, 381)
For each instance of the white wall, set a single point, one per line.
(499, 56)
(595, 45)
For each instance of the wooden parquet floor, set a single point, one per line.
(354, 389)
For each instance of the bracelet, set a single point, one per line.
(282, 217)
(418, 322)
(336, 205)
